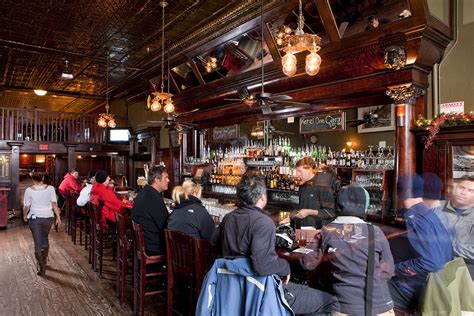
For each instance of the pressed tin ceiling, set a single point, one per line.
(36, 37)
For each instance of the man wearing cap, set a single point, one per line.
(457, 215)
(428, 238)
(344, 244)
(85, 195)
(69, 182)
(101, 191)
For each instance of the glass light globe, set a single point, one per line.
(155, 106)
(101, 122)
(112, 124)
(279, 41)
(313, 63)
(288, 63)
(169, 106)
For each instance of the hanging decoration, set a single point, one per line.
(445, 119)
(107, 119)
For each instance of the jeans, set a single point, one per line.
(40, 228)
(307, 301)
(401, 299)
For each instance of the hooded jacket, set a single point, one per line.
(112, 204)
(69, 183)
(232, 288)
(191, 217)
(344, 245)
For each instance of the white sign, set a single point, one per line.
(452, 107)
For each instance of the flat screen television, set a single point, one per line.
(118, 136)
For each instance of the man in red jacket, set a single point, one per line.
(101, 191)
(69, 182)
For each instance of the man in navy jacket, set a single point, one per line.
(249, 232)
(429, 239)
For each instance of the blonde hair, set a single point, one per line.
(182, 192)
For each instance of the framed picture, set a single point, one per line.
(378, 118)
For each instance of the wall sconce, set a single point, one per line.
(401, 112)
(40, 158)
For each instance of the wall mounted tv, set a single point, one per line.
(118, 135)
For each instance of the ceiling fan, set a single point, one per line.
(264, 100)
(373, 118)
(170, 121)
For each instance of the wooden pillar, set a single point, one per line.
(405, 97)
(71, 156)
(14, 199)
(132, 178)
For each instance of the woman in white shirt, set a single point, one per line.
(39, 207)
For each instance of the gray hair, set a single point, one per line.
(250, 189)
(156, 172)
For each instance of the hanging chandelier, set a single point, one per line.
(297, 41)
(107, 119)
(161, 99)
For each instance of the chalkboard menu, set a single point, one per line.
(324, 122)
(225, 132)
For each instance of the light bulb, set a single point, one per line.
(208, 69)
(288, 29)
(288, 63)
(214, 65)
(155, 106)
(112, 124)
(279, 41)
(213, 60)
(280, 34)
(40, 92)
(101, 122)
(313, 61)
(169, 106)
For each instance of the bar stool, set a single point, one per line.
(76, 217)
(180, 253)
(204, 256)
(140, 276)
(124, 245)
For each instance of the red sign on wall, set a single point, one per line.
(43, 147)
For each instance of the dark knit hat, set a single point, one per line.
(353, 200)
(101, 176)
(91, 174)
(410, 185)
(432, 186)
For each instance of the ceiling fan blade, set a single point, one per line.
(157, 122)
(302, 104)
(266, 109)
(281, 97)
(186, 113)
(239, 100)
(283, 132)
(355, 123)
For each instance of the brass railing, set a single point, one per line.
(46, 126)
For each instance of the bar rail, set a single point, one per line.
(47, 126)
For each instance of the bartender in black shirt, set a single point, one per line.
(316, 195)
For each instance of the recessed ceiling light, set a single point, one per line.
(40, 92)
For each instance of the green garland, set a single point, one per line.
(445, 119)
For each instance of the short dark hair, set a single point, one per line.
(306, 162)
(155, 173)
(370, 18)
(250, 188)
(37, 176)
(73, 170)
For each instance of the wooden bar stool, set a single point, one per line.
(204, 256)
(141, 277)
(124, 246)
(76, 217)
(180, 253)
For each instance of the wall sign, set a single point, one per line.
(225, 132)
(325, 122)
(452, 107)
(43, 147)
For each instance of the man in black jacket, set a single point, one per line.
(149, 210)
(249, 232)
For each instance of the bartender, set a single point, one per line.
(316, 195)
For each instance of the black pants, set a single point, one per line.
(308, 301)
(401, 299)
(470, 266)
(40, 228)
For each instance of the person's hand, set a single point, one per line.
(286, 279)
(305, 212)
(58, 221)
(25, 217)
(284, 221)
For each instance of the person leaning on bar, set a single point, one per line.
(313, 196)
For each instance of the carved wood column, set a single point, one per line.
(405, 98)
(133, 150)
(14, 198)
(71, 156)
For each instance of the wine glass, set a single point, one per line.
(370, 157)
(389, 160)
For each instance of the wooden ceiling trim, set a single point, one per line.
(328, 20)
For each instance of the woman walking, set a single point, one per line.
(39, 207)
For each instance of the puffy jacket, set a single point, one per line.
(69, 183)
(112, 204)
(232, 288)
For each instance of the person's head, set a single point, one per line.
(158, 178)
(91, 176)
(252, 191)
(432, 189)
(353, 200)
(38, 177)
(188, 188)
(74, 173)
(463, 195)
(305, 168)
(373, 21)
(410, 189)
(102, 176)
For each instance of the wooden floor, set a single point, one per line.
(70, 287)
